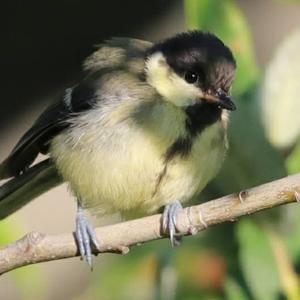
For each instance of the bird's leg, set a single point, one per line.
(169, 219)
(85, 236)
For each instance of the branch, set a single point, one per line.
(37, 247)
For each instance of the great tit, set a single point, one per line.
(145, 128)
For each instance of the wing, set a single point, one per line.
(51, 122)
(116, 54)
(18, 191)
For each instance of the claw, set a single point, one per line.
(86, 236)
(169, 220)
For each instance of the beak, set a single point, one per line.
(225, 102)
(222, 100)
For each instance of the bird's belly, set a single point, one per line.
(127, 173)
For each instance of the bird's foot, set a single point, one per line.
(85, 236)
(169, 220)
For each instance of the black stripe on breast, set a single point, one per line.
(201, 115)
(182, 147)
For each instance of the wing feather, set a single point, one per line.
(50, 123)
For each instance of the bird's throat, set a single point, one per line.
(201, 115)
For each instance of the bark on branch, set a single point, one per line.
(37, 247)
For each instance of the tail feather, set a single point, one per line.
(20, 190)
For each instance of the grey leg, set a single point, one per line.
(85, 235)
(169, 219)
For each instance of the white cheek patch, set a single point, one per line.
(168, 84)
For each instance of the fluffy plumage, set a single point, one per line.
(134, 134)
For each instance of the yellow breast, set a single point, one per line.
(119, 166)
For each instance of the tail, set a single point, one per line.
(20, 190)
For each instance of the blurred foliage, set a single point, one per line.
(293, 160)
(22, 278)
(256, 262)
(280, 94)
(233, 290)
(288, 1)
(257, 257)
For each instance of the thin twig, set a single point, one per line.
(36, 247)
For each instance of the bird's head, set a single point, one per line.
(191, 68)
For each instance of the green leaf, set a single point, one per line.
(257, 261)
(233, 291)
(280, 94)
(289, 230)
(225, 19)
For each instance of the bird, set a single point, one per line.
(144, 129)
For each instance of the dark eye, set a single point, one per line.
(191, 77)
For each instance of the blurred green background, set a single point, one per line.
(257, 257)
